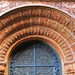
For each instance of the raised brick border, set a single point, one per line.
(38, 23)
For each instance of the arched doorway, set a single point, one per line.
(35, 58)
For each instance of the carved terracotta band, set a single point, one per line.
(38, 23)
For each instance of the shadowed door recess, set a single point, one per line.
(34, 58)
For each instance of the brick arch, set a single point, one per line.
(33, 37)
(44, 23)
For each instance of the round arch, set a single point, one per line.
(43, 40)
(42, 22)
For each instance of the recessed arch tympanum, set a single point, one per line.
(38, 23)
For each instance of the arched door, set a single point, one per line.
(34, 58)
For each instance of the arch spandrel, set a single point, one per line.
(41, 21)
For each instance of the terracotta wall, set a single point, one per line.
(68, 7)
(60, 34)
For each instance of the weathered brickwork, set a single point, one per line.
(38, 23)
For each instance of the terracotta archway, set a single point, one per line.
(38, 23)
